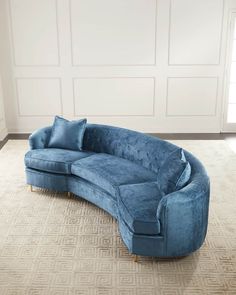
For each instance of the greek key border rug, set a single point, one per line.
(53, 244)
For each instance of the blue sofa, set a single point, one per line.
(117, 170)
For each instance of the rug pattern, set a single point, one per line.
(53, 244)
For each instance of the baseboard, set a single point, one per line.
(18, 135)
(167, 136)
(6, 136)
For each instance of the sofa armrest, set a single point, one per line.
(184, 217)
(39, 139)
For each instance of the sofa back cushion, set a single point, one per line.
(67, 134)
(147, 151)
(174, 173)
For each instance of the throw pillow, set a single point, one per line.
(174, 173)
(67, 134)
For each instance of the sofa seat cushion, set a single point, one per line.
(138, 207)
(108, 172)
(53, 160)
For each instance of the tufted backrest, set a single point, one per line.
(145, 150)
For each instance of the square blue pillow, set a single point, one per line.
(67, 134)
(174, 173)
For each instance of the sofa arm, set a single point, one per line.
(184, 218)
(39, 139)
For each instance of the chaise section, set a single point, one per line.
(53, 160)
(109, 172)
(138, 205)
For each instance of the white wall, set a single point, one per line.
(150, 65)
(3, 130)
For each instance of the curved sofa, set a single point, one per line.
(117, 171)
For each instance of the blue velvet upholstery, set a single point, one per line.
(138, 207)
(174, 173)
(108, 172)
(147, 151)
(67, 134)
(47, 180)
(123, 178)
(76, 185)
(39, 139)
(53, 160)
(184, 214)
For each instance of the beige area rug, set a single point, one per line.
(52, 244)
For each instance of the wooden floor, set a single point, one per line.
(230, 138)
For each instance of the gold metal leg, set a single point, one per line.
(31, 188)
(68, 194)
(135, 258)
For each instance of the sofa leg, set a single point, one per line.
(68, 194)
(31, 188)
(135, 258)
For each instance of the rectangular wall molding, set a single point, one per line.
(191, 96)
(39, 97)
(195, 32)
(103, 35)
(34, 32)
(116, 97)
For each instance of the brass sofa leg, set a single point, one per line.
(68, 194)
(31, 188)
(135, 258)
